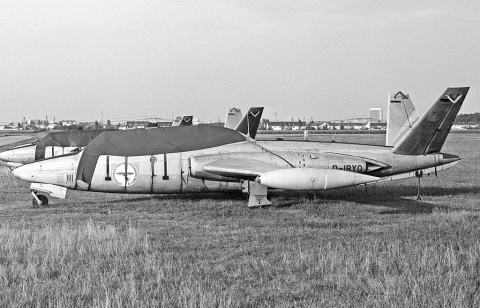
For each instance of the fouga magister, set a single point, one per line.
(210, 159)
(59, 143)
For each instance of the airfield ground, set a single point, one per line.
(345, 248)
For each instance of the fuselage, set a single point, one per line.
(172, 172)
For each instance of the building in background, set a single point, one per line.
(376, 115)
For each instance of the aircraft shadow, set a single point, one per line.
(398, 200)
(398, 205)
(181, 197)
(395, 199)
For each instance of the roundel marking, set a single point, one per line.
(120, 176)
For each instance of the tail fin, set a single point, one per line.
(183, 121)
(176, 121)
(429, 133)
(250, 122)
(186, 121)
(401, 117)
(234, 115)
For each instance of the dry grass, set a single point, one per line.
(345, 248)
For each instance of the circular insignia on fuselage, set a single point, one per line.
(120, 175)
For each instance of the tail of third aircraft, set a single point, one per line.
(428, 134)
(248, 125)
(401, 117)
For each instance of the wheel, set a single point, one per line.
(419, 173)
(43, 199)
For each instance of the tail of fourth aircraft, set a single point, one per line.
(401, 117)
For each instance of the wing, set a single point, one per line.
(283, 176)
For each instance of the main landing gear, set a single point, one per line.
(39, 200)
(257, 195)
(419, 175)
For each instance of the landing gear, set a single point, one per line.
(39, 200)
(419, 175)
(257, 195)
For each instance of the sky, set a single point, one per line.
(303, 59)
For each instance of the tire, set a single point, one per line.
(42, 199)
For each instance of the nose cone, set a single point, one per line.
(25, 172)
(56, 171)
(5, 155)
(22, 155)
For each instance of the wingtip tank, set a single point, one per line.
(312, 179)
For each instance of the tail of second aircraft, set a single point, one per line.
(186, 121)
(401, 117)
(428, 134)
(248, 125)
(234, 115)
(183, 121)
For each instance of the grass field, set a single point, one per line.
(345, 248)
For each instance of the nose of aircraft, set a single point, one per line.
(56, 171)
(25, 172)
(23, 155)
(4, 155)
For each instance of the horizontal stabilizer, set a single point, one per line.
(428, 134)
(250, 122)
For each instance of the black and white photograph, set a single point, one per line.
(239, 153)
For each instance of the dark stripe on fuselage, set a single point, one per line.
(107, 163)
(165, 172)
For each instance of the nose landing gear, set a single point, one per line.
(419, 175)
(39, 200)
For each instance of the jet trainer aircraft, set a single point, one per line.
(53, 144)
(59, 143)
(206, 158)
